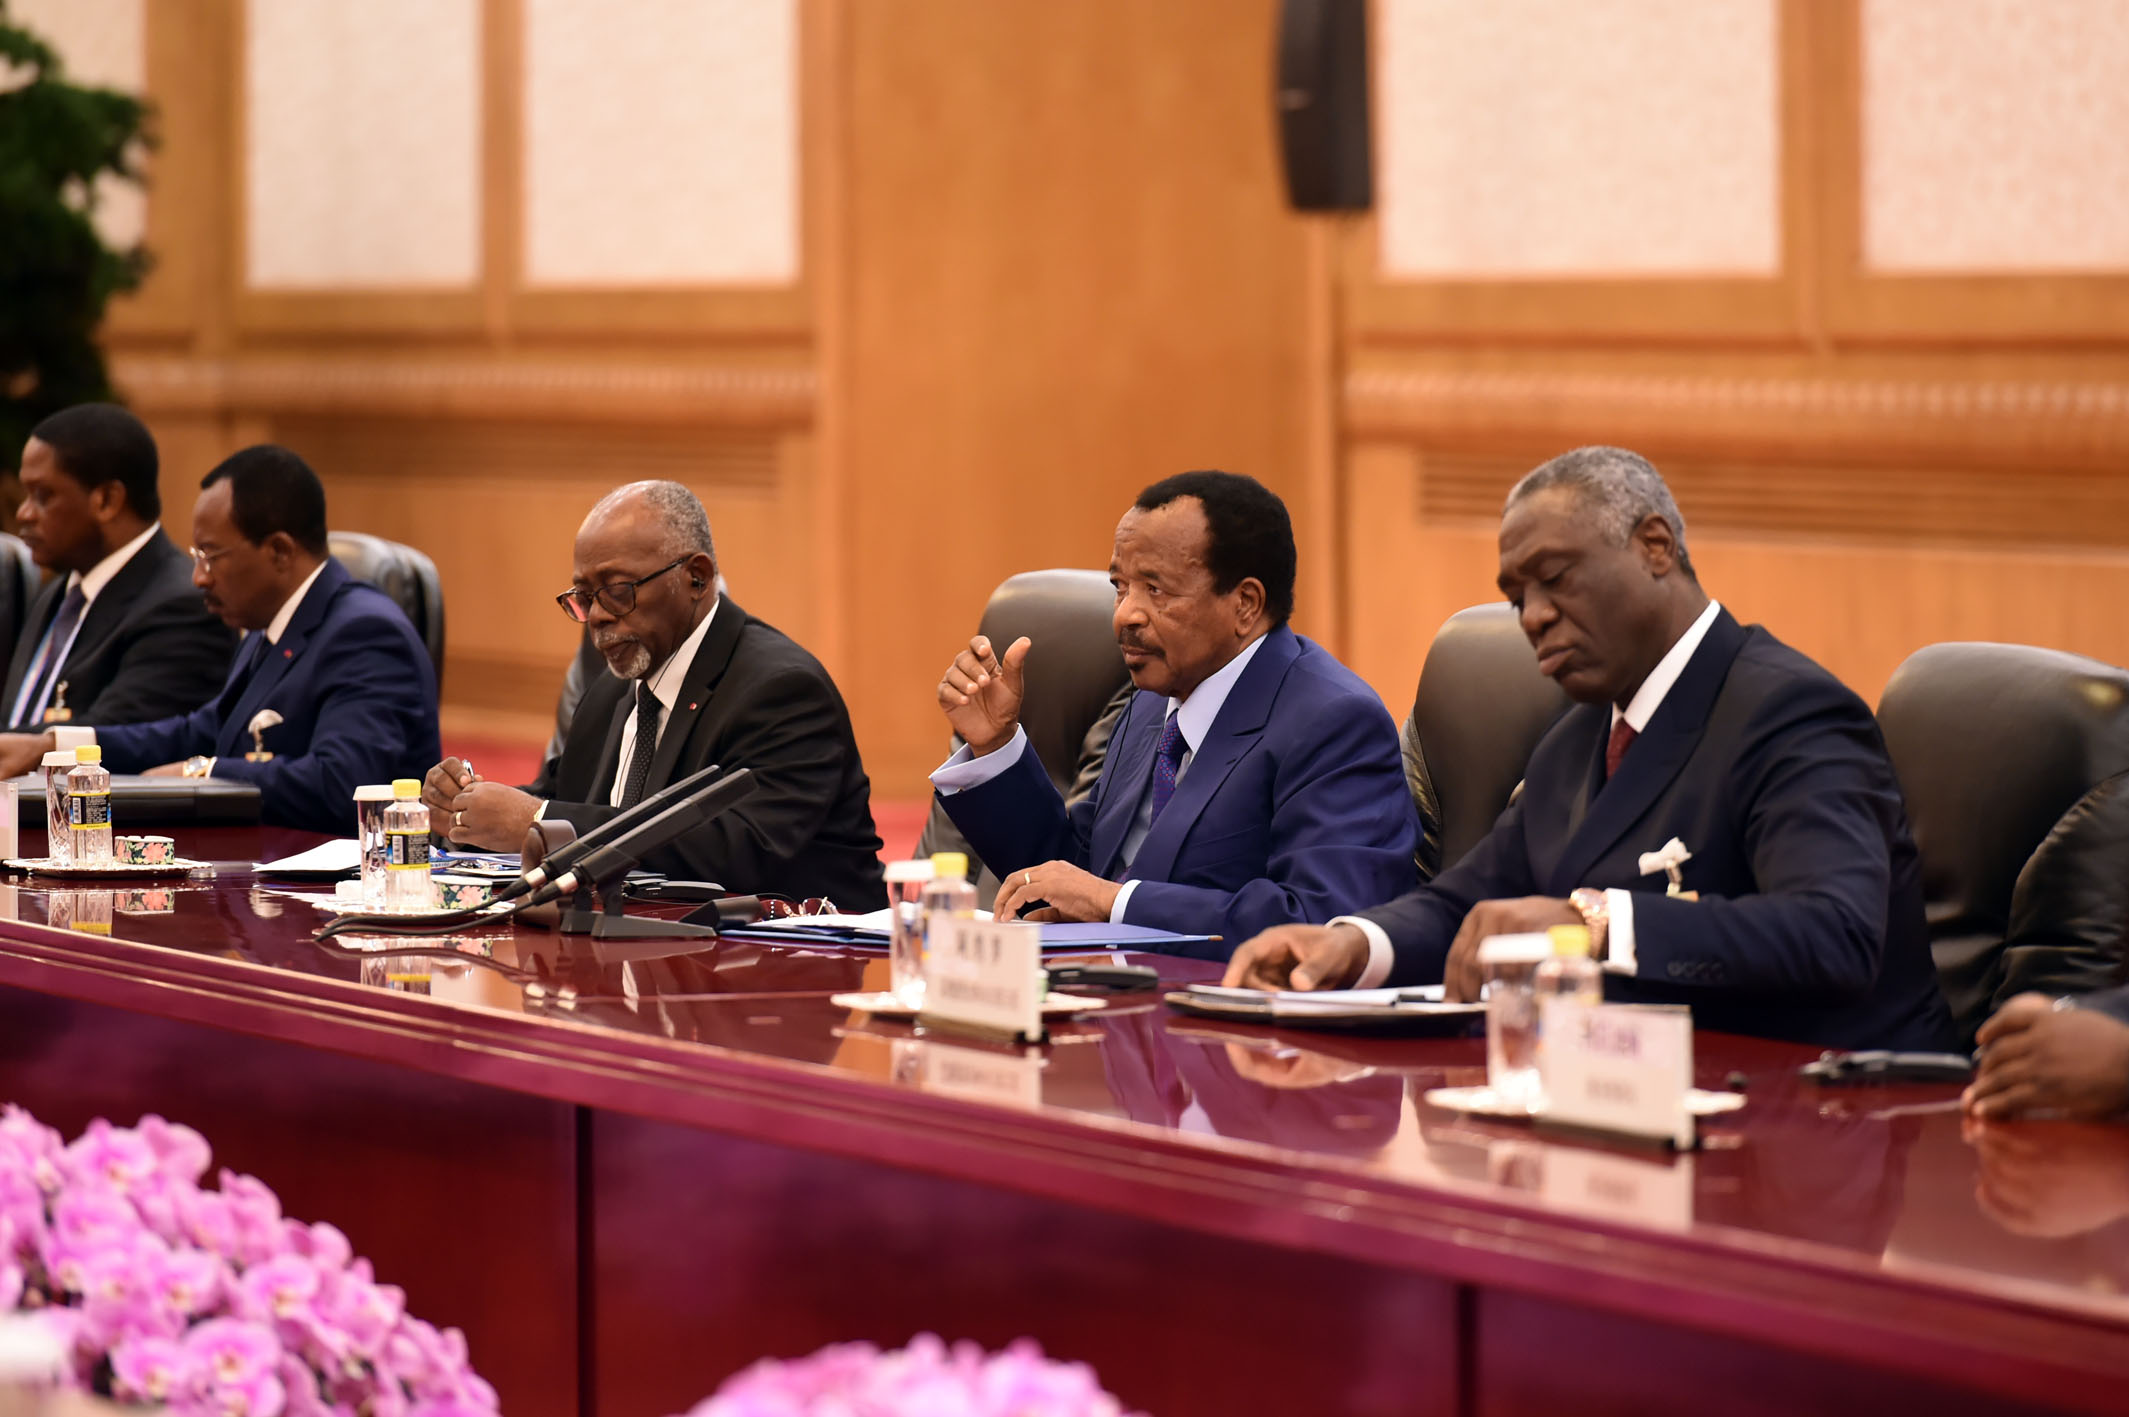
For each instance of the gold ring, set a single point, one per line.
(1027, 878)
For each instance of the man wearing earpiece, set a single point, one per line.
(692, 680)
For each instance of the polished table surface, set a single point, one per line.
(1860, 1224)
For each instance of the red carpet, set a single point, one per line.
(900, 823)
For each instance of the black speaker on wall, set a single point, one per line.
(1322, 102)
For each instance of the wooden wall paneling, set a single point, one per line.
(1071, 272)
(824, 131)
(187, 83)
(1931, 310)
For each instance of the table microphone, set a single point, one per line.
(566, 856)
(617, 855)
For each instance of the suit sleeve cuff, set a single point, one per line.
(1619, 932)
(1123, 899)
(965, 770)
(66, 740)
(1380, 954)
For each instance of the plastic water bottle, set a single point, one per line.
(370, 805)
(906, 881)
(947, 896)
(89, 807)
(407, 886)
(58, 831)
(1570, 973)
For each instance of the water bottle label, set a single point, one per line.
(89, 811)
(406, 851)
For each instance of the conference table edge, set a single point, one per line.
(1921, 1320)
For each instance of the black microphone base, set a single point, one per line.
(610, 924)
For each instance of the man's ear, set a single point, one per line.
(1249, 604)
(1656, 546)
(701, 570)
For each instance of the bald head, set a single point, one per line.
(646, 546)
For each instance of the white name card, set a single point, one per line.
(985, 978)
(1618, 1068)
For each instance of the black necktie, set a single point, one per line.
(51, 657)
(639, 758)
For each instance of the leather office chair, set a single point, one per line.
(402, 573)
(19, 583)
(2015, 765)
(587, 666)
(1077, 685)
(1480, 709)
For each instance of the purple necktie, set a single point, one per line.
(38, 687)
(1167, 762)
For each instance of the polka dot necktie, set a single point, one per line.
(1167, 762)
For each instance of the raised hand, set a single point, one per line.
(981, 693)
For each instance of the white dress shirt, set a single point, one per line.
(1619, 904)
(664, 686)
(91, 583)
(1194, 718)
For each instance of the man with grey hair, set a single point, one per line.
(1718, 810)
(692, 680)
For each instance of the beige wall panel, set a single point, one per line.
(1523, 138)
(661, 142)
(1070, 273)
(362, 152)
(101, 42)
(1994, 135)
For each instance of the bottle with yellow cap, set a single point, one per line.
(947, 896)
(406, 857)
(89, 807)
(1570, 973)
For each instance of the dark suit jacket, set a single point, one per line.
(752, 699)
(357, 699)
(1293, 809)
(1809, 924)
(2112, 1002)
(147, 646)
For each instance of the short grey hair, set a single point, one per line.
(1619, 489)
(679, 511)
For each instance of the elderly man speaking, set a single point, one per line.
(1798, 908)
(1252, 781)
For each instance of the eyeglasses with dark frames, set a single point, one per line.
(619, 597)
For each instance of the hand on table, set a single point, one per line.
(166, 770)
(1461, 976)
(1299, 957)
(981, 693)
(22, 752)
(490, 817)
(1069, 893)
(2038, 1058)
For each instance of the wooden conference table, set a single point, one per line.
(626, 1173)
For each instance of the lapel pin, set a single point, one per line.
(288, 654)
(691, 708)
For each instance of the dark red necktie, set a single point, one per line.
(1622, 738)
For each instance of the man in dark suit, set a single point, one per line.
(119, 635)
(2065, 1057)
(1254, 780)
(1798, 913)
(331, 670)
(694, 680)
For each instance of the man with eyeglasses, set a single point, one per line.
(119, 634)
(693, 680)
(329, 668)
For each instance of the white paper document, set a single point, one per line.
(325, 856)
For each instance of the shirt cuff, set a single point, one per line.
(1123, 900)
(965, 770)
(1619, 932)
(1381, 957)
(66, 740)
(539, 813)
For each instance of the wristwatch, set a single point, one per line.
(198, 765)
(1596, 912)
